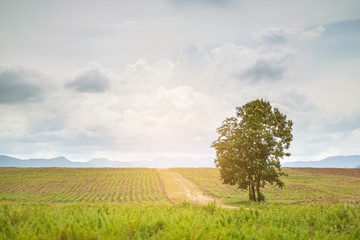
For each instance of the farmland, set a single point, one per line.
(300, 185)
(80, 185)
(120, 185)
(70, 203)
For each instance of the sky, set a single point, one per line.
(138, 80)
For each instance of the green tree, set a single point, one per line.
(250, 146)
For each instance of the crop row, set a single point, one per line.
(299, 186)
(80, 185)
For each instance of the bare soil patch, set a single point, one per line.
(180, 189)
(348, 172)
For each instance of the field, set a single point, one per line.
(49, 185)
(181, 203)
(80, 185)
(304, 185)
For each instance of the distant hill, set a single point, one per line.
(157, 163)
(352, 161)
(330, 162)
(6, 161)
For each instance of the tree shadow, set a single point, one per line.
(246, 203)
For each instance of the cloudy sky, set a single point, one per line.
(137, 80)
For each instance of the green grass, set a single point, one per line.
(178, 221)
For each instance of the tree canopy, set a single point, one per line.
(250, 146)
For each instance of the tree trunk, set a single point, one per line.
(258, 192)
(259, 198)
(251, 193)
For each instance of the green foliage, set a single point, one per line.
(178, 221)
(210, 207)
(250, 146)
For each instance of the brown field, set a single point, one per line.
(349, 172)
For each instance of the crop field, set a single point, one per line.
(300, 185)
(142, 184)
(139, 203)
(80, 185)
(61, 185)
(349, 172)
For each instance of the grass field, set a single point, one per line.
(60, 203)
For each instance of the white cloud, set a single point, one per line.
(169, 119)
(142, 75)
(150, 109)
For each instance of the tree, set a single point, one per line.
(250, 146)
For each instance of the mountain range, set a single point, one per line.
(330, 162)
(6, 161)
(352, 161)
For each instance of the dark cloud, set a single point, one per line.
(264, 70)
(280, 35)
(20, 85)
(92, 79)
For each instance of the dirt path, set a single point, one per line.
(179, 189)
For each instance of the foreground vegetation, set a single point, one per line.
(178, 221)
